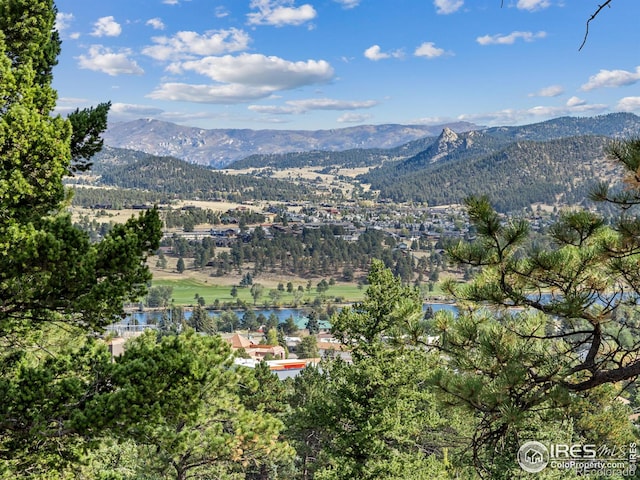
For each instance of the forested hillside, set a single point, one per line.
(555, 172)
(171, 176)
(553, 162)
(558, 171)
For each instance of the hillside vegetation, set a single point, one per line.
(171, 176)
(555, 172)
(555, 163)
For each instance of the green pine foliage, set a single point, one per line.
(424, 396)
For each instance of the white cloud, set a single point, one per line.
(429, 50)
(261, 71)
(579, 108)
(66, 105)
(244, 78)
(629, 104)
(432, 120)
(280, 13)
(611, 78)
(155, 23)
(445, 7)
(63, 21)
(273, 109)
(192, 118)
(514, 117)
(191, 43)
(106, 27)
(101, 59)
(550, 91)
(221, 12)
(133, 109)
(510, 39)
(576, 102)
(303, 106)
(348, 3)
(74, 101)
(533, 5)
(331, 104)
(222, 94)
(375, 53)
(170, 2)
(353, 118)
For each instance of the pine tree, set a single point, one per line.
(56, 286)
(180, 265)
(372, 418)
(557, 332)
(181, 399)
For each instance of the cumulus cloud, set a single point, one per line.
(429, 50)
(101, 59)
(280, 13)
(106, 27)
(533, 5)
(576, 102)
(509, 39)
(155, 23)
(63, 21)
(629, 104)
(353, 118)
(221, 94)
(306, 105)
(191, 43)
(244, 78)
(261, 71)
(348, 3)
(611, 78)
(133, 109)
(375, 53)
(550, 91)
(445, 7)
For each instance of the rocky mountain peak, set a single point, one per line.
(446, 142)
(447, 135)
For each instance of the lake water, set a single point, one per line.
(299, 315)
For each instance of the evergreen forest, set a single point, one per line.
(545, 346)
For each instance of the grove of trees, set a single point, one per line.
(545, 345)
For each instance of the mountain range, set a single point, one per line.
(220, 147)
(556, 162)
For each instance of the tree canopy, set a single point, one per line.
(57, 288)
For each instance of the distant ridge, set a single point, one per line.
(553, 163)
(220, 147)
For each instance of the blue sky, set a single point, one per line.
(323, 64)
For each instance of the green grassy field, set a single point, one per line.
(185, 290)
